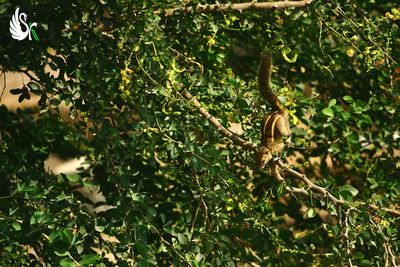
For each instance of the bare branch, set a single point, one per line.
(225, 132)
(386, 256)
(29, 75)
(392, 257)
(208, 8)
(315, 188)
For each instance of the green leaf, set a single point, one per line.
(338, 108)
(199, 257)
(67, 236)
(67, 262)
(79, 249)
(350, 189)
(33, 220)
(280, 191)
(99, 228)
(182, 239)
(89, 259)
(73, 178)
(54, 235)
(348, 99)
(345, 115)
(16, 226)
(328, 112)
(196, 163)
(162, 248)
(391, 231)
(243, 103)
(332, 102)
(33, 86)
(311, 213)
(367, 119)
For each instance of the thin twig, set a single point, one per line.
(387, 255)
(392, 257)
(204, 204)
(4, 85)
(208, 8)
(205, 213)
(201, 203)
(198, 207)
(30, 76)
(346, 236)
(160, 163)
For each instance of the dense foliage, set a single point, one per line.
(183, 194)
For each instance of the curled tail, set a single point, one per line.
(264, 81)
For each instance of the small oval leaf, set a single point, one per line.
(348, 99)
(328, 112)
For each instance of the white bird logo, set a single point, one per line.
(16, 30)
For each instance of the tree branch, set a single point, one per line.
(29, 75)
(214, 122)
(208, 8)
(317, 191)
(391, 211)
(315, 188)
